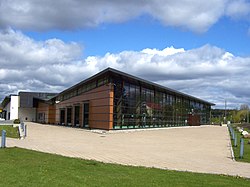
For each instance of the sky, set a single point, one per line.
(201, 48)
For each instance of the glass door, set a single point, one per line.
(76, 116)
(69, 116)
(85, 115)
(62, 116)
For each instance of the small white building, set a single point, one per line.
(22, 106)
(10, 106)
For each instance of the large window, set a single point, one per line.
(41, 117)
(139, 106)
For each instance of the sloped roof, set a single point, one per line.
(115, 72)
(5, 101)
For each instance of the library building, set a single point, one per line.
(113, 99)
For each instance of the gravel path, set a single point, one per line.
(203, 149)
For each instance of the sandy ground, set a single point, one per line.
(203, 149)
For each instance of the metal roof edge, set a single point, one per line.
(158, 85)
(84, 81)
(115, 71)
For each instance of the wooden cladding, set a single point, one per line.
(99, 113)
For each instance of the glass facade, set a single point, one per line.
(139, 105)
(82, 88)
(136, 104)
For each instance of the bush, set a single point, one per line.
(16, 121)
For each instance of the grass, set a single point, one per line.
(11, 131)
(21, 167)
(246, 155)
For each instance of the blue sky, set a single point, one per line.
(231, 35)
(198, 47)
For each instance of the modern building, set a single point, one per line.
(113, 99)
(24, 105)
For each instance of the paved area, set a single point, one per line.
(203, 149)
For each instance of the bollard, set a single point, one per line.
(241, 147)
(3, 144)
(233, 134)
(235, 140)
(25, 130)
(231, 131)
(22, 126)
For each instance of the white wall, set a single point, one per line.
(14, 105)
(27, 114)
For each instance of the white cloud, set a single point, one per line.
(165, 52)
(208, 72)
(194, 15)
(18, 50)
(26, 64)
(238, 9)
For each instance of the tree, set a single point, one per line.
(244, 107)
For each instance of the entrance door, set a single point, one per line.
(76, 116)
(62, 116)
(85, 115)
(69, 116)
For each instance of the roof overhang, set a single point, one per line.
(136, 79)
(5, 101)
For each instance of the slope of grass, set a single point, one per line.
(11, 131)
(21, 167)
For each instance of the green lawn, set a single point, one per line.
(11, 131)
(246, 155)
(21, 167)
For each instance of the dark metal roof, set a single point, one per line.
(84, 81)
(6, 100)
(142, 81)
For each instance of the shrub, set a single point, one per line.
(16, 121)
